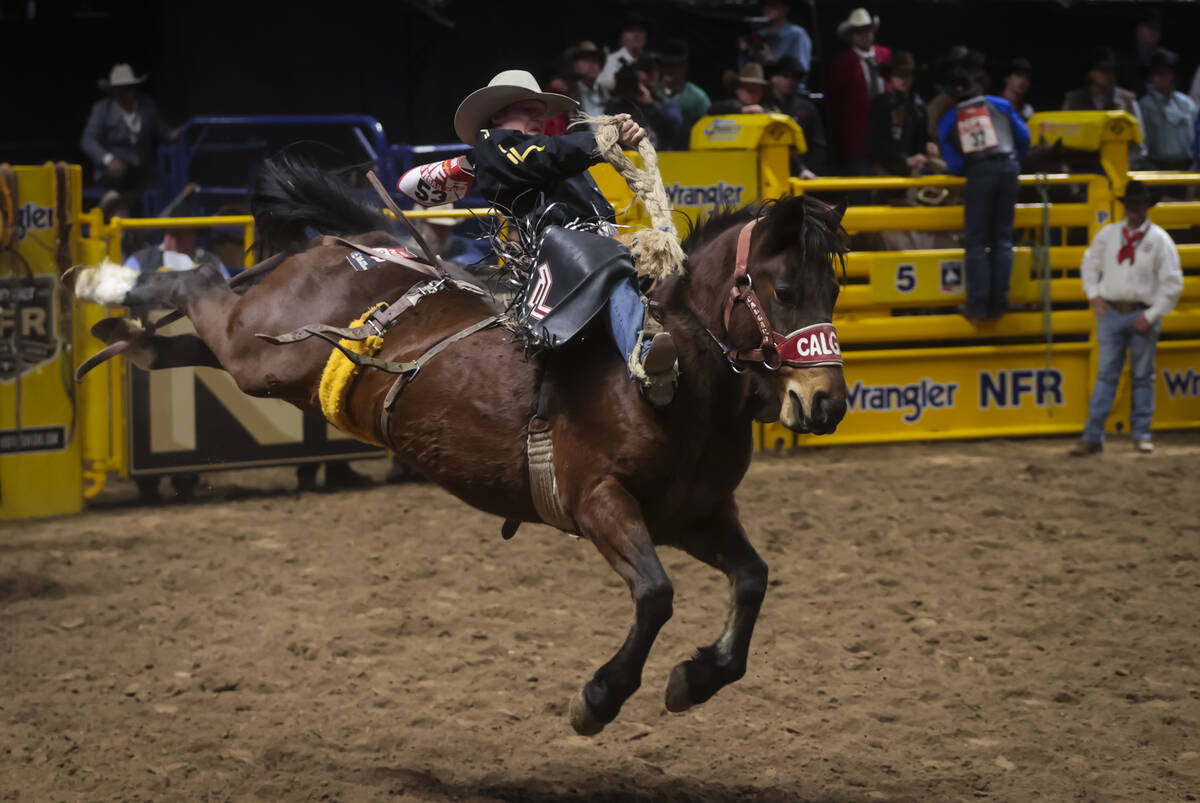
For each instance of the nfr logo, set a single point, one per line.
(28, 325)
(1007, 388)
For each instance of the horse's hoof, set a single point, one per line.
(679, 696)
(582, 719)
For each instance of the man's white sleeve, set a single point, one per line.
(1170, 282)
(1091, 268)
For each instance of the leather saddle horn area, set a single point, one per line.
(573, 276)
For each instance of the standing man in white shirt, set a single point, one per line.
(1132, 278)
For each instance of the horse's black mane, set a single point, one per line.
(290, 193)
(708, 228)
(823, 234)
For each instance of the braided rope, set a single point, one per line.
(656, 251)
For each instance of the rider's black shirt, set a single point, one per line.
(536, 174)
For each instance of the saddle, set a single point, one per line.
(573, 275)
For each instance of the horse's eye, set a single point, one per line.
(787, 296)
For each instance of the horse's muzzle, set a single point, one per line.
(814, 400)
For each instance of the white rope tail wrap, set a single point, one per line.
(656, 251)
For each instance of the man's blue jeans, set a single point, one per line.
(991, 199)
(1115, 334)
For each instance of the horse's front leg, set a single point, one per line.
(612, 520)
(722, 544)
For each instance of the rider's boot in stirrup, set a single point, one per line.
(658, 368)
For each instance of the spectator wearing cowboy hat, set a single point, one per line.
(779, 37)
(693, 101)
(959, 56)
(983, 139)
(1018, 77)
(1131, 276)
(787, 94)
(899, 142)
(123, 132)
(1103, 94)
(854, 79)
(749, 86)
(1169, 115)
(586, 60)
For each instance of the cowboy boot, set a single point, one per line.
(657, 366)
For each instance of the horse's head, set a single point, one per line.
(777, 321)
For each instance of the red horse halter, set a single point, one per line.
(812, 345)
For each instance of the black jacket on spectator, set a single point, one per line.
(899, 128)
(661, 126)
(107, 132)
(536, 174)
(801, 109)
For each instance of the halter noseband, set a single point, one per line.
(816, 344)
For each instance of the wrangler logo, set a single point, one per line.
(715, 195)
(914, 398)
(1182, 384)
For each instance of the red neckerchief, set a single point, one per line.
(1131, 239)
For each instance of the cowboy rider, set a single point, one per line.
(516, 167)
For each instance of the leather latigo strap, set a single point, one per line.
(376, 323)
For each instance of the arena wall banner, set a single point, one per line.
(39, 450)
(198, 419)
(989, 391)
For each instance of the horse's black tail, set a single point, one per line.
(290, 193)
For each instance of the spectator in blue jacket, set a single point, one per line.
(778, 38)
(984, 139)
(1169, 117)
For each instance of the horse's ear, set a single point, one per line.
(840, 209)
(787, 223)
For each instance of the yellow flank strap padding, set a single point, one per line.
(338, 377)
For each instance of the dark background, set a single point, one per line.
(398, 63)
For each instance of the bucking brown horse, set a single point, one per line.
(630, 477)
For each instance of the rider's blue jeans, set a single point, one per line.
(625, 317)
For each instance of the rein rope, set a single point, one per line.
(656, 251)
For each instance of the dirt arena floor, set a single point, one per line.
(955, 621)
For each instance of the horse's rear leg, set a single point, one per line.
(724, 546)
(203, 294)
(612, 519)
(154, 352)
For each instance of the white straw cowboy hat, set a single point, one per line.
(506, 88)
(120, 75)
(859, 18)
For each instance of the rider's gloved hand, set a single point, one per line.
(438, 182)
